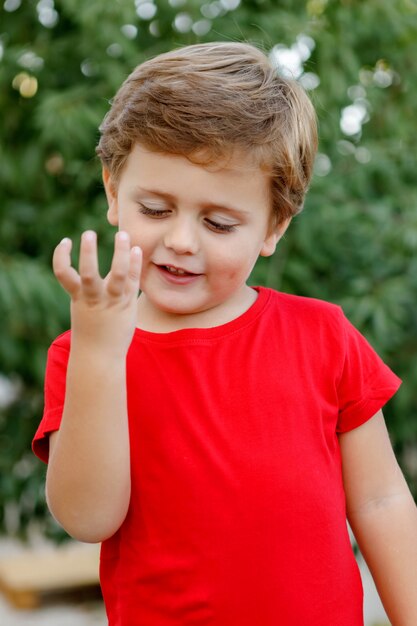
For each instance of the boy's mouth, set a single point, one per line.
(177, 271)
(177, 275)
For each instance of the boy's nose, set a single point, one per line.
(182, 237)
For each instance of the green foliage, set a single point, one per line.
(355, 244)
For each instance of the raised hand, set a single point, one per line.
(103, 311)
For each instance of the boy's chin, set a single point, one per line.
(171, 305)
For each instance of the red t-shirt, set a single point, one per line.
(237, 515)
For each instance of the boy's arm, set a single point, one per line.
(383, 517)
(88, 477)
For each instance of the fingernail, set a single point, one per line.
(122, 235)
(136, 250)
(65, 241)
(89, 235)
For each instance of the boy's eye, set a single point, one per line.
(220, 228)
(161, 213)
(158, 213)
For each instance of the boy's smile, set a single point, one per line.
(201, 231)
(178, 275)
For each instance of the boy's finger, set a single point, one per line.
(116, 278)
(135, 268)
(91, 282)
(64, 272)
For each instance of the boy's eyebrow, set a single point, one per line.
(206, 205)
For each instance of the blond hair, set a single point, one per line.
(206, 101)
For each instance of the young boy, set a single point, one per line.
(215, 436)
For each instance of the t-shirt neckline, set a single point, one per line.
(196, 334)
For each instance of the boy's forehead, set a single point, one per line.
(235, 162)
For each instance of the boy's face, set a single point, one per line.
(200, 230)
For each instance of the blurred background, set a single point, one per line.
(355, 244)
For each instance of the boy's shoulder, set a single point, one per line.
(310, 322)
(304, 306)
(305, 318)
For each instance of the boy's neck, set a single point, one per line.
(154, 320)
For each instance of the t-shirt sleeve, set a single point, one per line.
(54, 395)
(366, 382)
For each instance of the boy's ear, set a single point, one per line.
(270, 243)
(111, 194)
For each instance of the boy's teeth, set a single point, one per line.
(173, 270)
